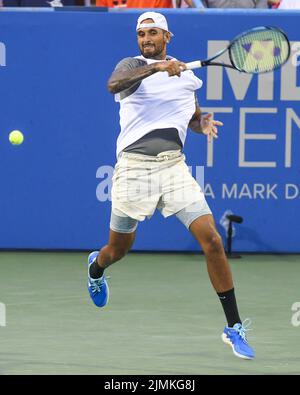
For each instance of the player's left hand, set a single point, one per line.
(209, 127)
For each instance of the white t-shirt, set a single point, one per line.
(159, 102)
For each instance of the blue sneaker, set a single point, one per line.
(236, 338)
(98, 289)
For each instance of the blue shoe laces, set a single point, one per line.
(242, 328)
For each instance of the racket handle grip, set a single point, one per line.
(193, 65)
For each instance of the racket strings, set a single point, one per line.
(260, 51)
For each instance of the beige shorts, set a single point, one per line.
(143, 183)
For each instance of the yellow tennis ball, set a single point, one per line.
(16, 137)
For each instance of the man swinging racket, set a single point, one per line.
(157, 104)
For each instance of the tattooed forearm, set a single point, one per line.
(121, 80)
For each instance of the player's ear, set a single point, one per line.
(167, 37)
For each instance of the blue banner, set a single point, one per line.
(55, 187)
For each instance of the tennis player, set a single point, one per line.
(157, 104)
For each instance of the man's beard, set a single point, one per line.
(152, 54)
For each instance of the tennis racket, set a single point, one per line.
(258, 50)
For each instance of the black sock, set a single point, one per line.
(230, 307)
(95, 270)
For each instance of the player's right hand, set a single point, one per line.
(173, 67)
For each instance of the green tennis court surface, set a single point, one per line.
(163, 316)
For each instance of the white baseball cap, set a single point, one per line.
(158, 21)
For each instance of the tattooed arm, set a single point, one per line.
(125, 78)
